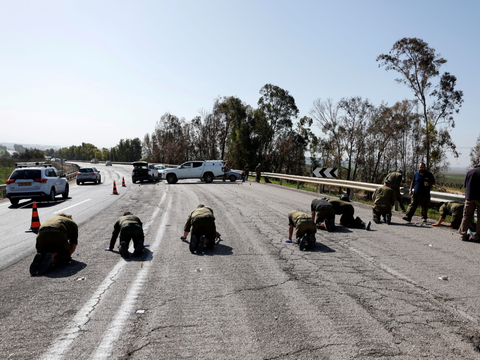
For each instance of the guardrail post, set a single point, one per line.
(280, 181)
(298, 184)
(330, 190)
(316, 189)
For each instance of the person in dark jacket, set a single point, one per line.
(129, 227)
(324, 214)
(201, 222)
(383, 199)
(56, 241)
(472, 203)
(258, 171)
(420, 186)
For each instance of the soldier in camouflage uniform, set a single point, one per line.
(56, 241)
(396, 179)
(383, 198)
(304, 226)
(343, 207)
(454, 209)
(202, 224)
(130, 228)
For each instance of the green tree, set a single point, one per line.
(475, 154)
(419, 65)
(279, 109)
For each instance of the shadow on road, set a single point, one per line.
(67, 270)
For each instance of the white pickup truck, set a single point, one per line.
(203, 170)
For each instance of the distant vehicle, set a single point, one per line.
(143, 171)
(108, 163)
(88, 174)
(36, 181)
(204, 170)
(94, 161)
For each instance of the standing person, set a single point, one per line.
(420, 186)
(56, 241)
(324, 214)
(305, 229)
(225, 169)
(129, 227)
(343, 207)
(395, 179)
(455, 209)
(258, 171)
(384, 199)
(472, 202)
(202, 224)
(246, 169)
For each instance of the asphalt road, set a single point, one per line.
(362, 295)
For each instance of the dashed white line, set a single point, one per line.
(75, 328)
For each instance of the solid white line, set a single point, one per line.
(72, 331)
(116, 326)
(81, 202)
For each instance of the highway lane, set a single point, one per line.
(360, 294)
(84, 202)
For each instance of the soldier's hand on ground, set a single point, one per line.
(436, 224)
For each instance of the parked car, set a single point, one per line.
(230, 175)
(161, 171)
(143, 171)
(88, 174)
(108, 163)
(36, 181)
(204, 170)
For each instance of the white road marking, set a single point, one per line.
(116, 326)
(76, 327)
(81, 202)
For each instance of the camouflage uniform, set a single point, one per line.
(395, 179)
(57, 235)
(202, 223)
(302, 223)
(455, 210)
(384, 199)
(130, 228)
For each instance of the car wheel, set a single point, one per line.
(65, 194)
(208, 178)
(14, 202)
(95, 181)
(78, 182)
(171, 179)
(52, 194)
(100, 180)
(233, 178)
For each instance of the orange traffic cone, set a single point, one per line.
(35, 219)
(123, 182)
(114, 189)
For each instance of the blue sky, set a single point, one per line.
(101, 71)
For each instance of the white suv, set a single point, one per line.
(38, 181)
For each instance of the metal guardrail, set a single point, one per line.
(436, 196)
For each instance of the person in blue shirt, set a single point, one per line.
(420, 186)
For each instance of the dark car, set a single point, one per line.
(89, 174)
